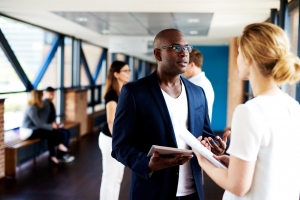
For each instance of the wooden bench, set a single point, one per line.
(74, 127)
(11, 154)
(19, 151)
(96, 121)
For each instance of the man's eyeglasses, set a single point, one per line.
(178, 48)
(125, 70)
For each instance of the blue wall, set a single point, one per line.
(215, 66)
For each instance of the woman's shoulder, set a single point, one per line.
(111, 95)
(251, 107)
(31, 107)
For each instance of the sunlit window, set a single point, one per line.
(294, 21)
(29, 43)
(14, 106)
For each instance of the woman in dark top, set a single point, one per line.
(112, 170)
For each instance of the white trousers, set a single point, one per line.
(112, 171)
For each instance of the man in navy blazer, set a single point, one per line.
(151, 111)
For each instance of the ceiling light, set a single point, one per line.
(193, 32)
(82, 19)
(193, 20)
(105, 31)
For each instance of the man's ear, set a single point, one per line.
(157, 54)
(192, 64)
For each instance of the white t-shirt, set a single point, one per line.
(201, 80)
(266, 130)
(178, 110)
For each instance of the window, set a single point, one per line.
(14, 106)
(9, 80)
(29, 43)
(294, 23)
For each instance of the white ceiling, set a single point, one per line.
(140, 20)
(141, 24)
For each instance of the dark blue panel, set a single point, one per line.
(113, 57)
(215, 66)
(140, 69)
(127, 59)
(283, 14)
(298, 92)
(274, 16)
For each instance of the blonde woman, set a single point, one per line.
(33, 126)
(112, 170)
(264, 151)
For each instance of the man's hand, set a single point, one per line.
(219, 147)
(158, 162)
(54, 125)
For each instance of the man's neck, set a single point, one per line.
(167, 79)
(196, 71)
(48, 99)
(170, 84)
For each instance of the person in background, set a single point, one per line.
(112, 171)
(264, 151)
(195, 74)
(48, 107)
(33, 126)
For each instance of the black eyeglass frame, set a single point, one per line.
(187, 48)
(125, 70)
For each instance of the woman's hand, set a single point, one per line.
(201, 159)
(224, 159)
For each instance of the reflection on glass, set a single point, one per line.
(9, 80)
(68, 62)
(14, 106)
(294, 20)
(50, 76)
(29, 43)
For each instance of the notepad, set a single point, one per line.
(194, 143)
(168, 151)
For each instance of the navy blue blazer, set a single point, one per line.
(142, 119)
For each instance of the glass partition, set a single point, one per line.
(30, 44)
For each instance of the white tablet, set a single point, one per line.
(190, 139)
(169, 151)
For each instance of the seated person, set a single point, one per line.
(33, 126)
(48, 107)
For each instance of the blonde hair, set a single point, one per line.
(269, 46)
(35, 98)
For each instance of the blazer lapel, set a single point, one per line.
(191, 103)
(161, 104)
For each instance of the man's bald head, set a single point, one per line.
(162, 35)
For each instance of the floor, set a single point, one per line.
(79, 180)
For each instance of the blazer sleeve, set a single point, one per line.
(123, 148)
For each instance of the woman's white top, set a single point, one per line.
(266, 130)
